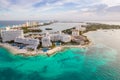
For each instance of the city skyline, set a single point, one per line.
(75, 10)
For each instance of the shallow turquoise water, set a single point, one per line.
(94, 63)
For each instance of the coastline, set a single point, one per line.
(87, 42)
(16, 51)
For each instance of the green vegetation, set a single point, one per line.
(29, 49)
(96, 26)
(53, 46)
(68, 31)
(40, 45)
(10, 42)
(93, 27)
(37, 30)
(45, 24)
(26, 30)
(71, 43)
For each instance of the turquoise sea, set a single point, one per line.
(100, 61)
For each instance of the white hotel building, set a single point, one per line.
(32, 43)
(75, 32)
(31, 23)
(46, 41)
(28, 41)
(17, 36)
(60, 37)
(9, 35)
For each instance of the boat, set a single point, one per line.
(48, 28)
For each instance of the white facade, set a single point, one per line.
(9, 35)
(61, 37)
(7, 28)
(32, 43)
(28, 24)
(41, 23)
(55, 37)
(46, 42)
(75, 32)
(80, 28)
(35, 23)
(66, 38)
(28, 41)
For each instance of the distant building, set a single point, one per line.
(35, 23)
(80, 28)
(9, 35)
(41, 23)
(30, 23)
(77, 30)
(7, 28)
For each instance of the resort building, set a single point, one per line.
(46, 41)
(75, 32)
(28, 41)
(30, 23)
(35, 23)
(76, 37)
(66, 38)
(60, 37)
(41, 23)
(80, 28)
(32, 43)
(56, 36)
(9, 34)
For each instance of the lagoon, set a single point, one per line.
(60, 26)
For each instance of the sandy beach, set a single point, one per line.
(12, 49)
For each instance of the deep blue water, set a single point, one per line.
(10, 23)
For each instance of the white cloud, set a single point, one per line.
(80, 10)
(111, 2)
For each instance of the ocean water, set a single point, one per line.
(10, 23)
(100, 61)
(15, 22)
(95, 63)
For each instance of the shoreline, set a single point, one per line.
(16, 51)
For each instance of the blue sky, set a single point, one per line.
(76, 10)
